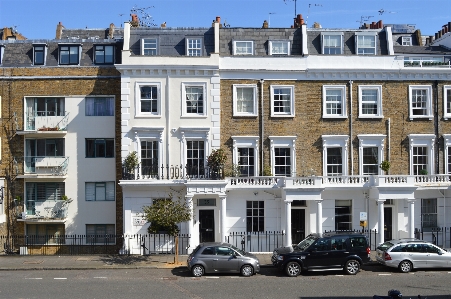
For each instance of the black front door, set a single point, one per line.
(297, 225)
(388, 224)
(207, 226)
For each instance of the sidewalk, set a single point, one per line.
(82, 262)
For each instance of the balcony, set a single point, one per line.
(177, 172)
(46, 166)
(46, 122)
(45, 211)
(429, 64)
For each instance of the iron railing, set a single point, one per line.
(256, 241)
(173, 172)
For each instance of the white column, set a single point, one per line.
(223, 199)
(190, 223)
(288, 241)
(411, 217)
(319, 217)
(380, 226)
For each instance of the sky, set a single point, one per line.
(37, 19)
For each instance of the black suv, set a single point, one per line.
(330, 251)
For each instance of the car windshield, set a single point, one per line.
(304, 244)
(385, 246)
(242, 252)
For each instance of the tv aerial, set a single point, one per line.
(364, 19)
(308, 13)
(382, 11)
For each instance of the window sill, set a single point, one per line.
(245, 115)
(426, 117)
(335, 116)
(147, 116)
(371, 116)
(283, 115)
(193, 116)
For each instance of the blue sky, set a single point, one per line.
(36, 19)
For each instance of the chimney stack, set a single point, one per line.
(59, 30)
(111, 32)
(265, 25)
(298, 21)
(135, 20)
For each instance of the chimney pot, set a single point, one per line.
(218, 19)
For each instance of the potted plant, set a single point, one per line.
(267, 170)
(385, 166)
(130, 163)
(216, 161)
(423, 171)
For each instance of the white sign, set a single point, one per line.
(363, 216)
(139, 221)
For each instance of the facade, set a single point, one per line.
(60, 110)
(306, 117)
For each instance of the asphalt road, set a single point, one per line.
(177, 283)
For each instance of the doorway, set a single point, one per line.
(297, 225)
(388, 223)
(206, 226)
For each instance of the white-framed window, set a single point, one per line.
(332, 43)
(148, 99)
(365, 43)
(371, 153)
(194, 99)
(335, 153)
(334, 101)
(2, 50)
(447, 146)
(255, 219)
(149, 142)
(69, 54)
(39, 54)
(279, 47)
(429, 213)
(243, 48)
(420, 101)
(195, 146)
(245, 100)
(406, 40)
(149, 46)
(193, 46)
(104, 54)
(421, 153)
(446, 102)
(282, 100)
(245, 155)
(283, 155)
(99, 191)
(99, 106)
(370, 101)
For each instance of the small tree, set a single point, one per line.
(216, 161)
(164, 215)
(385, 166)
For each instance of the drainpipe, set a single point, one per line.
(263, 127)
(388, 141)
(436, 131)
(350, 127)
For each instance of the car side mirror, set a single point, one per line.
(234, 255)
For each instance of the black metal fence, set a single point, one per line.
(256, 241)
(93, 244)
(440, 236)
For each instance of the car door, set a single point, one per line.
(417, 254)
(437, 258)
(208, 257)
(318, 254)
(226, 260)
(338, 253)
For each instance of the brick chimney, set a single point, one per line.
(265, 25)
(298, 21)
(163, 25)
(135, 20)
(59, 30)
(111, 31)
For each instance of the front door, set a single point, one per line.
(297, 225)
(388, 224)
(206, 226)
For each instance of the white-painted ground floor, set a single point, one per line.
(220, 212)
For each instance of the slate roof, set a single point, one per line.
(429, 50)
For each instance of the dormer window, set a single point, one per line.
(332, 43)
(149, 46)
(104, 54)
(39, 54)
(279, 47)
(406, 40)
(365, 43)
(69, 54)
(194, 46)
(2, 49)
(243, 48)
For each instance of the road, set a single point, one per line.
(177, 283)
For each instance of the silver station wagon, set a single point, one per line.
(216, 257)
(409, 254)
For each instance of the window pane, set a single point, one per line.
(282, 100)
(246, 161)
(194, 99)
(333, 102)
(282, 161)
(245, 99)
(369, 101)
(255, 219)
(343, 214)
(334, 161)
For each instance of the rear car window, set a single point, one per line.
(208, 250)
(385, 246)
(358, 242)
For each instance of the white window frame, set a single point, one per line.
(341, 88)
(447, 146)
(406, 40)
(291, 113)
(204, 98)
(422, 140)
(334, 141)
(44, 52)
(446, 101)
(138, 112)
(379, 113)
(286, 42)
(428, 107)
(235, 100)
(251, 52)
(246, 142)
(151, 134)
(365, 35)
(371, 140)
(2, 52)
(197, 47)
(325, 35)
(143, 46)
(108, 191)
(283, 142)
(194, 134)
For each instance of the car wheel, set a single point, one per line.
(293, 269)
(405, 266)
(247, 270)
(352, 267)
(197, 271)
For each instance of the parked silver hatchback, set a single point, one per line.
(216, 257)
(409, 254)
